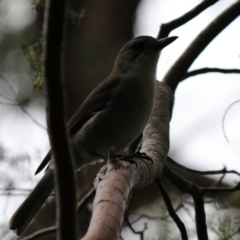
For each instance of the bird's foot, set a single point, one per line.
(137, 155)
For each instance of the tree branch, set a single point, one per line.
(221, 190)
(171, 210)
(114, 185)
(224, 116)
(197, 194)
(209, 70)
(63, 165)
(214, 172)
(85, 199)
(200, 216)
(176, 73)
(166, 28)
(19, 103)
(141, 233)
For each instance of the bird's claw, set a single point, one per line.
(137, 155)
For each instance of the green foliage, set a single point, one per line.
(38, 4)
(33, 49)
(226, 227)
(75, 16)
(33, 52)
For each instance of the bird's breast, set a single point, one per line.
(123, 120)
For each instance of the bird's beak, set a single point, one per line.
(162, 43)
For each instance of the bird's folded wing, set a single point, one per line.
(96, 101)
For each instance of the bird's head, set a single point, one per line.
(140, 52)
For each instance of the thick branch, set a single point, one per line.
(166, 28)
(180, 67)
(115, 185)
(63, 171)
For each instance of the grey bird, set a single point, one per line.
(113, 115)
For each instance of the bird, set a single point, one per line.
(113, 115)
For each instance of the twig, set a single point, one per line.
(180, 67)
(19, 104)
(224, 116)
(166, 28)
(63, 164)
(220, 190)
(230, 236)
(13, 194)
(171, 210)
(16, 189)
(209, 70)
(197, 195)
(141, 233)
(214, 172)
(85, 199)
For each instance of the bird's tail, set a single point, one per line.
(29, 208)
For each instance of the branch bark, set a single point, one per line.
(114, 186)
(63, 170)
(176, 73)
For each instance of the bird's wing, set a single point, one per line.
(96, 101)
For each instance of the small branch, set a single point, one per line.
(90, 194)
(197, 194)
(141, 233)
(210, 70)
(9, 104)
(201, 225)
(176, 73)
(224, 116)
(221, 190)
(166, 28)
(19, 104)
(15, 189)
(171, 210)
(214, 172)
(40, 233)
(13, 194)
(63, 164)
